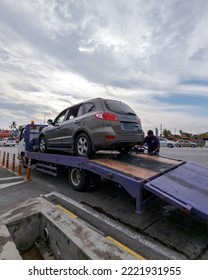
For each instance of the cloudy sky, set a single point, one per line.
(150, 54)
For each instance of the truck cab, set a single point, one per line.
(29, 139)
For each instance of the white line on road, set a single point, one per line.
(9, 178)
(2, 186)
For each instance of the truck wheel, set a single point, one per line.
(43, 145)
(77, 179)
(83, 146)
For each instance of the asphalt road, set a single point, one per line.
(162, 226)
(195, 155)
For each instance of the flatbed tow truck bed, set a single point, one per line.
(182, 184)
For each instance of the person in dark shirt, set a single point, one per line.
(153, 143)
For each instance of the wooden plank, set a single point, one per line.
(160, 159)
(129, 169)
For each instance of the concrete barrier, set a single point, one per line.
(39, 223)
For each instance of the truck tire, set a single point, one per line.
(43, 145)
(83, 146)
(77, 179)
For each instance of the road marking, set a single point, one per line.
(117, 243)
(125, 248)
(144, 242)
(2, 186)
(9, 178)
(67, 211)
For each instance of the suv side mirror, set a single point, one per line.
(50, 121)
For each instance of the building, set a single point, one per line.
(5, 133)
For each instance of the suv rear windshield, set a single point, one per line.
(119, 107)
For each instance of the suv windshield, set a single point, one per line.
(119, 107)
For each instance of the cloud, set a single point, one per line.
(56, 53)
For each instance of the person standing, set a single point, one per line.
(153, 143)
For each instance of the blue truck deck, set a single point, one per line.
(182, 184)
(185, 187)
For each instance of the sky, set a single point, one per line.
(152, 55)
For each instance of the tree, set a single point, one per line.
(14, 129)
(20, 127)
(13, 125)
(181, 132)
(185, 134)
(166, 133)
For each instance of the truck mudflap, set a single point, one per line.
(185, 187)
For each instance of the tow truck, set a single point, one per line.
(182, 184)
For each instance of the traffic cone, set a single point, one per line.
(7, 161)
(19, 173)
(28, 169)
(3, 159)
(13, 163)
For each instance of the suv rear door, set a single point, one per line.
(128, 120)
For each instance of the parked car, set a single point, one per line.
(185, 143)
(96, 124)
(206, 144)
(164, 142)
(7, 142)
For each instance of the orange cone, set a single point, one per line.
(28, 169)
(19, 173)
(7, 161)
(3, 159)
(13, 163)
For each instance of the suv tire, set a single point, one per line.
(83, 146)
(43, 145)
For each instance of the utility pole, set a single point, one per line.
(161, 130)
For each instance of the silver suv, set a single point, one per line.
(96, 124)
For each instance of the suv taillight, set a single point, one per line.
(106, 116)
